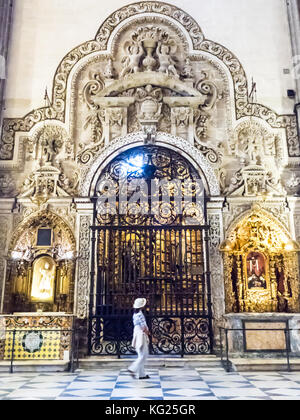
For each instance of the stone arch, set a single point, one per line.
(193, 155)
(266, 216)
(36, 219)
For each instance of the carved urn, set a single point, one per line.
(149, 62)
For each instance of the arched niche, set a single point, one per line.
(41, 266)
(260, 266)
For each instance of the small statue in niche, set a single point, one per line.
(166, 63)
(109, 71)
(182, 117)
(187, 72)
(43, 279)
(131, 62)
(50, 148)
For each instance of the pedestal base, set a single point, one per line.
(262, 335)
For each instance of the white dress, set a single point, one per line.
(141, 344)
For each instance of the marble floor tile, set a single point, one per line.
(92, 393)
(275, 384)
(48, 385)
(145, 392)
(187, 392)
(38, 393)
(58, 378)
(184, 384)
(90, 385)
(238, 392)
(228, 384)
(165, 384)
(284, 392)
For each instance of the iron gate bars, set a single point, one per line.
(150, 239)
(167, 266)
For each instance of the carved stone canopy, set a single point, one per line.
(258, 230)
(23, 243)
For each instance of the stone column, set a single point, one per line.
(6, 220)
(82, 287)
(216, 236)
(293, 8)
(6, 11)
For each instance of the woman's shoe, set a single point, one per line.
(145, 377)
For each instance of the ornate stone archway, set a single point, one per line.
(196, 158)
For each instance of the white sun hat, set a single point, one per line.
(139, 303)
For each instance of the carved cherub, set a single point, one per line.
(182, 116)
(187, 71)
(131, 62)
(166, 63)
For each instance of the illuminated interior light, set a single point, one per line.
(289, 247)
(17, 255)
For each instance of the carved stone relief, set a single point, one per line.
(83, 267)
(215, 238)
(151, 76)
(4, 224)
(7, 185)
(260, 160)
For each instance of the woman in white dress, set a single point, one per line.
(140, 340)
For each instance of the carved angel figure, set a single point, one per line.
(166, 63)
(131, 62)
(182, 116)
(187, 71)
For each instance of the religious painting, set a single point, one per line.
(43, 280)
(256, 271)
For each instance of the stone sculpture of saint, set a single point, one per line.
(46, 280)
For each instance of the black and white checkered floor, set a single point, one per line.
(164, 384)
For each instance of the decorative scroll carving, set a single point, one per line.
(83, 267)
(216, 265)
(4, 223)
(7, 185)
(48, 182)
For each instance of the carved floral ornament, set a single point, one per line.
(161, 51)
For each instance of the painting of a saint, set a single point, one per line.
(256, 271)
(43, 280)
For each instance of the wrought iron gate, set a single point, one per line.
(165, 262)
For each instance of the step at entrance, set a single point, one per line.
(201, 362)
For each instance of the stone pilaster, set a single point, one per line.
(84, 222)
(216, 236)
(6, 11)
(6, 220)
(293, 8)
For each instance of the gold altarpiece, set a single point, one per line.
(260, 267)
(40, 274)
